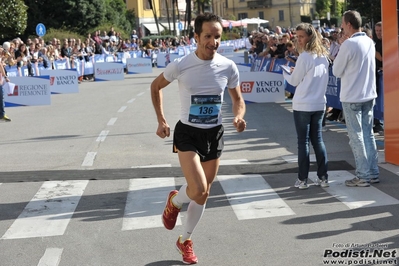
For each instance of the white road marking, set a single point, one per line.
(251, 197)
(146, 201)
(112, 121)
(51, 257)
(234, 162)
(89, 159)
(102, 136)
(141, 93)
(131, 100)
(49, 211)
(354, 197)
(123, 108)
(294, 158)
(153, 166)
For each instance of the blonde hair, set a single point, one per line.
(314, 45)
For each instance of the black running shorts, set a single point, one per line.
(207, 143)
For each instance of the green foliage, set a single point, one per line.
(131, 18)
(337, 8)
(81, 16)
(369, 10)
(13, 18)
(107, 26)
(70, 14)
(306, 19)
(116, 14)
(322, 7)
(60, 34)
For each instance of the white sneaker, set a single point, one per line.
(323, 182)
(301, 184)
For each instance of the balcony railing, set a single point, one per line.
(259, 4)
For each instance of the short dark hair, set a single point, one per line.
(354, 18)
(206, 17)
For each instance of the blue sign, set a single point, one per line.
(180, 26)
(40, 30)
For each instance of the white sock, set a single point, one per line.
(181, 197)
(194, 214)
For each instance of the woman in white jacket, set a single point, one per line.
(310, 76)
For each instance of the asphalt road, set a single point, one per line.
(83, 182)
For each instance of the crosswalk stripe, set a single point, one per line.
(354, 197)
(251, 197)
(145, 202)
(50, 210)
(51, 257)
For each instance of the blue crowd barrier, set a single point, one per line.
(333, 87)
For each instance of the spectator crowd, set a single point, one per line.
(20, 53)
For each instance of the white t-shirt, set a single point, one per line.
(201, 87)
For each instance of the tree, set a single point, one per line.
(369, 10)
(116, 14)
(337, 8)
(131, 17)
(201, 4)
(322, 7)
(13, 18)
(73, 15)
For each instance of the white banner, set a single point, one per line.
(108, 71)
(63, 80)
(29, 91)
(61, 64)
(164, 59)
(262, 87)
(138, 65)
(224, 50)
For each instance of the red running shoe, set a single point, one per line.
(186, 249)
(170, 212)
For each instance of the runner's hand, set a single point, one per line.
(239, 124)
(163, 130)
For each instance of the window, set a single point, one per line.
(261, 15)
(227, 4)
(242, 15)
(146, 4)
(241, 0)
(281, 15)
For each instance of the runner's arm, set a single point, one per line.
(156, 95)
(238, 108)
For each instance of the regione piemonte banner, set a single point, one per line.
(29, 91)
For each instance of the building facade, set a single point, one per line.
(145, 15)
(283, 13)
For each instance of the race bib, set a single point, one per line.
(205, 109)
